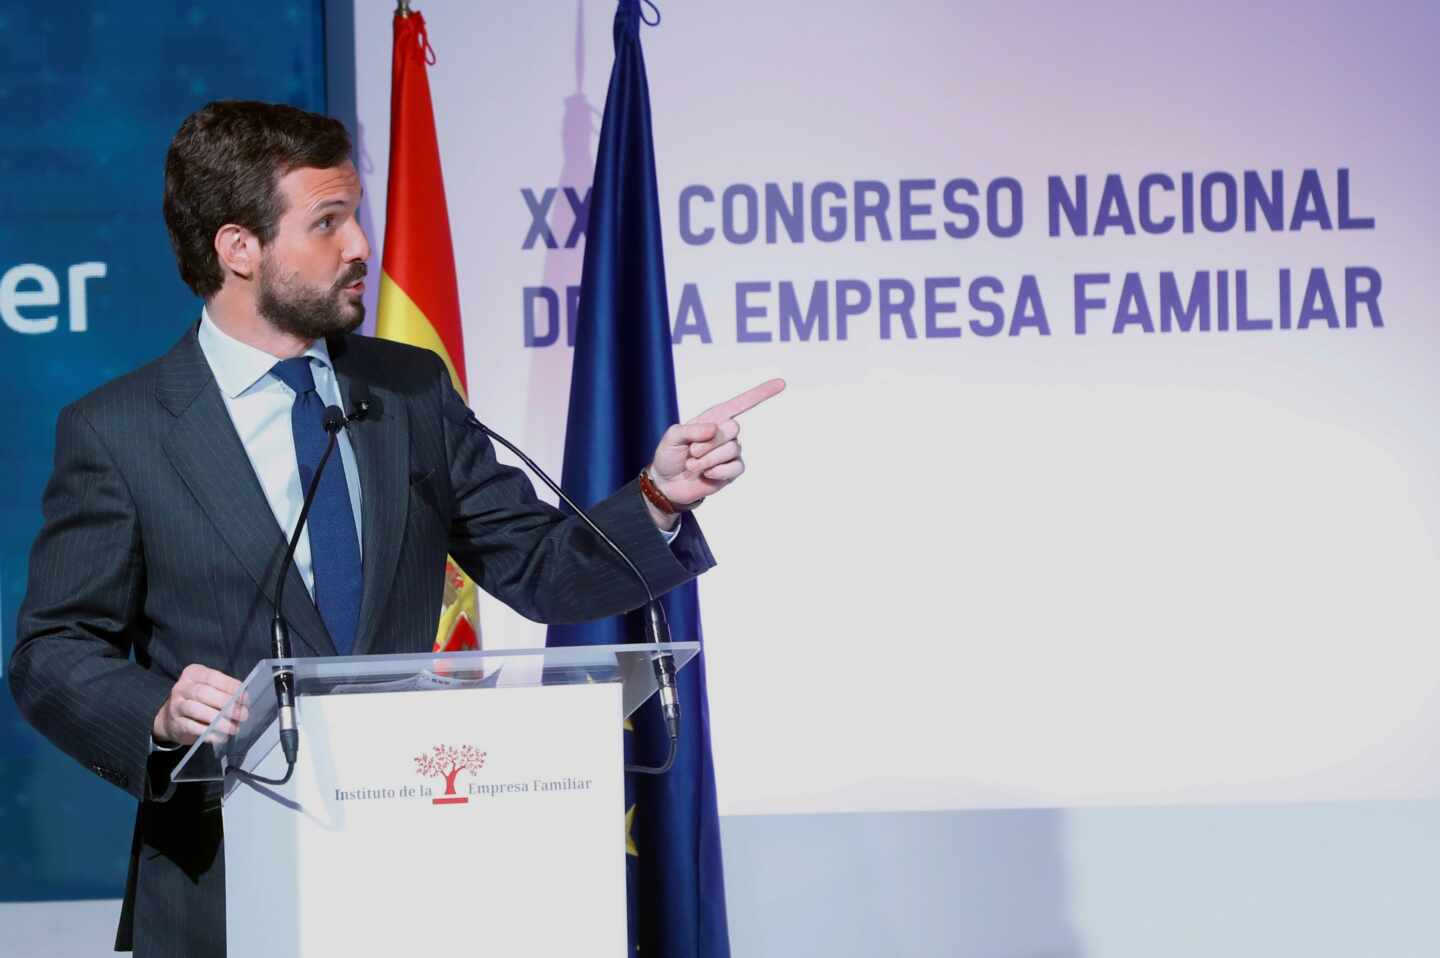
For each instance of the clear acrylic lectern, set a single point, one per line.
(469, 800)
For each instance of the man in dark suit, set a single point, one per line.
(152, 580)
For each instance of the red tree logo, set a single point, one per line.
(447, 762)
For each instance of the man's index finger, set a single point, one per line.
(742, 403)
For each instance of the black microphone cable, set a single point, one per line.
(335, 420)
(656, 625)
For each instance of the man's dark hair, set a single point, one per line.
(224, 166)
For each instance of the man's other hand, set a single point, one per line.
(195, 700)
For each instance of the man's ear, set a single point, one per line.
(238, 250)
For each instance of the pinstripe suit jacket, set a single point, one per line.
(159, 549)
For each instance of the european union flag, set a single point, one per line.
(622, 398)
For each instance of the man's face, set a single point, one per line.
(312, 273)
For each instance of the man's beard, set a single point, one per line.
(308, 313)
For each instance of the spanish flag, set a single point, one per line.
(419, 299)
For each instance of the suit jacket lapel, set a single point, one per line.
(381, 443)
(206, 450)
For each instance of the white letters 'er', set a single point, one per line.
(42, 290)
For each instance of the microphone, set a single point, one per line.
(361, 402)
(657, 627)
(334, 421)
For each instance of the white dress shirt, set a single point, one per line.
(259, 405)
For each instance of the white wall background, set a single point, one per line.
(1123, 569)
(1337, 880)
(1089, 625)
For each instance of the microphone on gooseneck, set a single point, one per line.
(656, 626)
(334, 421)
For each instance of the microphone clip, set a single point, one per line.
(336, 420)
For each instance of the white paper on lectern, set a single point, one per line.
(367, 851)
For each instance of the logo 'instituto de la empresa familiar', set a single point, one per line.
(447, 762)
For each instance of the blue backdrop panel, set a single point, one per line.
(90, 94)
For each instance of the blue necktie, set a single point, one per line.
(334, 548)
